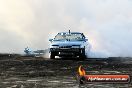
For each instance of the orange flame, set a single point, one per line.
(81, 71)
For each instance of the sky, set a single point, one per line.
(106, 23)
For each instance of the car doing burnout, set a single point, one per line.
(69, 44)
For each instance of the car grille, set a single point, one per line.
(65, 47)
(65, 50)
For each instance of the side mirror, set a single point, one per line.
(86, 39)
(50, 40)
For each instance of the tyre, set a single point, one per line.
(52, 55)
(82, 55)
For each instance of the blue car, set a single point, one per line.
(69, 44)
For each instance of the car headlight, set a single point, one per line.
(55, 46)
(76, 46)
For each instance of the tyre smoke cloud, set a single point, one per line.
(106, 23)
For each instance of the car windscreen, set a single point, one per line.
(69, 36)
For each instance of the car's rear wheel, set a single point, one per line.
(52, 55)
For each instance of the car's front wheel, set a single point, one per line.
(82, 54)
(52, 55)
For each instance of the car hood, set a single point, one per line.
(67, 43)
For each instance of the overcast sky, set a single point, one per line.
(106, 23)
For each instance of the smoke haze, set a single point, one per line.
(106, 23)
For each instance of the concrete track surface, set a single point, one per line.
(30, 72)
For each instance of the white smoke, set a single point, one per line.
(106, 23)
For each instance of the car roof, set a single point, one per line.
(71, 32)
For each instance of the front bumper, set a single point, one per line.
(66, 51)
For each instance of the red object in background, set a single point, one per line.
(104, 78)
